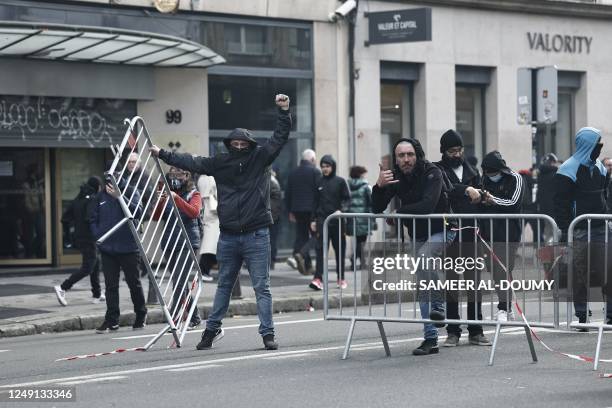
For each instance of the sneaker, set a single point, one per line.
(428, 346)
(301, 264)
(480, 340)
(194, 324)
(436, 314)
(501, 316)
(210, 337)
(206, 278)
(342, 284)
(269, 342)
(105, 327)
(61, 295)
(140, 322)
(292, 262)
(452, 340)
(316, 284)
(98, 300)
(582, 320)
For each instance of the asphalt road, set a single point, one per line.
(307, 370)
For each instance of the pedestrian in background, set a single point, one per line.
(361, 202)
(78, 214)
(300, 201)
(210, 225)
(276, 207)
(333, 196)
(545, 193)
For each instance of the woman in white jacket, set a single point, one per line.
(210, 222)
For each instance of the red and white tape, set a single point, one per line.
(107, 353)
(578, 357)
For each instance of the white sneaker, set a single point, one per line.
(501, 316)
(98, 300)
(292, 262)
(206, 278)
(61, 295)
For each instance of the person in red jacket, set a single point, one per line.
(189, 203)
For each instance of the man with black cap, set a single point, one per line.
(77, 214)
(503, 195)
(464, 199)
(420, 187)
(332, 196)
(243, 186)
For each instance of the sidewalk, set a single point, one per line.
(28, 304)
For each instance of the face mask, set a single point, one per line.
(596, 151)
(175, 184)
(496, 178)
(453, 162)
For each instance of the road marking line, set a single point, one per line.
(290, 356)
(113, 378)
(195, 368)
(244, 326)
(3, 351)
(378, 344)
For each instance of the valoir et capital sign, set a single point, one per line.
(399, 26)
(568, 44)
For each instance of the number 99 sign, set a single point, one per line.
(174, 116)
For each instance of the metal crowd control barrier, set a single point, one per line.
(157, 228)
(571, 235)
(384, 309)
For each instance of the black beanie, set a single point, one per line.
(450, 139)
(94, 182)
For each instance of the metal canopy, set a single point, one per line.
(60, 42)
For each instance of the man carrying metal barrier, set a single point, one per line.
(243, 183)
(420, 187)
(503, 195)
(581, 187)
(464, 199)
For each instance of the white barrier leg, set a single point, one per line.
(349, 339)
(598, 349)
(383, 336)
(495, 338)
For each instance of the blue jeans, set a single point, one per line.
(254, 249)
(432, 300)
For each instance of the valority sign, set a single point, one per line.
(570, 44)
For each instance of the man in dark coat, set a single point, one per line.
(243, 185)
(464, 199)
(420, 187)
(300, 199)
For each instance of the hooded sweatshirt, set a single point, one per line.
(242, 177)
(507, 195)
(332, 193)
(78, 213)
(581, 183)
(420, 192)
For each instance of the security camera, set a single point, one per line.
(342, 11)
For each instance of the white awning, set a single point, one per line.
(61, 42)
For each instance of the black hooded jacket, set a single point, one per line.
(332, 193)
(78, 213)
(546, 191)
(459, 201)
(507, 197)
(243, 178)
(421, 192)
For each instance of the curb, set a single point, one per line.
(242, 307)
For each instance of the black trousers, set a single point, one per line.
(112, 265)
(90, 266)
(274, 230)
(182, 285)
(339, 245)
(303, 234)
